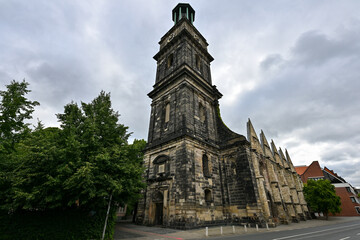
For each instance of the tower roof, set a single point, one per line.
(183, 10)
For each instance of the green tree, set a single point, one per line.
(78, 165)
(15, 108)
(100, 161)
(321, 197)
(35, 179)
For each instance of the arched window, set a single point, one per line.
(208, 197)
(197, 61)
(167, 112)
(170, 60)
(162, 165)
(205, 162)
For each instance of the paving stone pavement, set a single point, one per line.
(129, 231)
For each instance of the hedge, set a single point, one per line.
(56, 224)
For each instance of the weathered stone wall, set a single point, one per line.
(199, 172)
(281, 182)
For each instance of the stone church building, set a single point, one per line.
(198, 171)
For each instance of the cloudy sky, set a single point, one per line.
(292, 67)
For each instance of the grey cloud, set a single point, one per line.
(59, 80)
(271, 61)
(313, 47)
(311, 95)
(320, 101)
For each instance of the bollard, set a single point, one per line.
(257, 228)
(245, 228)
(206, 231)
(221, 232)
(267, 226)
(233, 229)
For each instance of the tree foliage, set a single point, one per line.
(321, 197)
(78, 165)
(15, 108)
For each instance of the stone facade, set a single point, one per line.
(199, 172)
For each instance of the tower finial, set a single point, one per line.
(183, 10)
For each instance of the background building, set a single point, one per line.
(350, 203)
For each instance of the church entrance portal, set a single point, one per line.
(159, 214)
(159, 206)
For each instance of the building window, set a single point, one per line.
(348, 189)
(197, 61)
(170, 60)
(208, 198)
(357, 210)
(161, 168)
(167, 112)
(162, 165)
(315, 178)
(206, 169)
(202, 113)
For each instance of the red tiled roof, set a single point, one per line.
(330, 171)
(301, 169)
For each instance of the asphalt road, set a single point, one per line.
(335, 229)
(343, 231)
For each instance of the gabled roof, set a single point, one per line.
(334, 174)
(300, 169)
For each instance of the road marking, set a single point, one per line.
(358, 234)
(148, 233)
(344, 238)
(303, 234)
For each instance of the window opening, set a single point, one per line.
(161, 165)
(197, 61)
(208, 198)
(205, 162)
(167, 112)
(170, 60)
(357, 209)
(161, 168)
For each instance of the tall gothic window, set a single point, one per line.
(167, 112)
(206, 169)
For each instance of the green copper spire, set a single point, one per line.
(183, 10)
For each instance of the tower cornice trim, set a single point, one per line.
(183, 32)
(185, 69)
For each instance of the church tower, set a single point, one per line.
(198, 172)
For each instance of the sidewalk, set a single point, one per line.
(129, 231)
